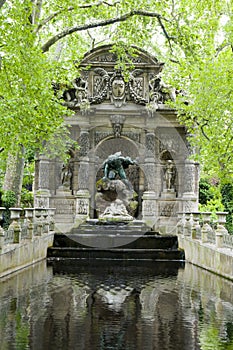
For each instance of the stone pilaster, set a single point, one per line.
(149, 208)
(84, 143)
(82, 212)
(189, 178)
(43, 192)
(75, 175)
(83, 171)
(150, 169)
(83, 195)
(189, 202)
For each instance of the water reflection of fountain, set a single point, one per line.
(142, 306)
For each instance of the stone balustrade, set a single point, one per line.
(206, 242)
(25, 224)
(198, 226)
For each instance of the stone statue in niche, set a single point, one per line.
(169, 175)
(66, 176)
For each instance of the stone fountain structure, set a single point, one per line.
(112, 115)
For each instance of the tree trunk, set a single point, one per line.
(13, 179)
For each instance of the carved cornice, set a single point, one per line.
(101, 135)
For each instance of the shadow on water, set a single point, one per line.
(114, 305)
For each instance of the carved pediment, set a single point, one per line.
(101, 82)
(103, 55)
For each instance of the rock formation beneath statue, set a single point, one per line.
(115, 199)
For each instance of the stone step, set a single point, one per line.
(113, 254)
(104, 241)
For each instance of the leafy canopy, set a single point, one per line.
(41, 39)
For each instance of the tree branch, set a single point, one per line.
(202, 129)
(165, 32)
(203, 133)
(53, 15)
(99, 4)
(71, 8)
(222, 47)
(104, 23)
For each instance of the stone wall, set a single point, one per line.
(21, 255)
(207, 256)
(26, 240)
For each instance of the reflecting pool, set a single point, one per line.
(116, 306)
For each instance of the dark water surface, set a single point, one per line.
(114, 306)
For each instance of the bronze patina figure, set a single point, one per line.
(115, 165)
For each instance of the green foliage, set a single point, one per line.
(40, 41)
(214, 196)
(210, 198)
(8, 199)
(204, 191)
(209, 114)
(227, 200)
(27, 198)
(29, 110)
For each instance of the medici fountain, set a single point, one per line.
(131, 174)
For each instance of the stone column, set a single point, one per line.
(75, 175)
(189, 184)
(149, 207)
(83, 173)
(82, 194)
(151, 172)
(43, 191)
(189, 179)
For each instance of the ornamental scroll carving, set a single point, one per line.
(167, 209)
(150, 144)
(101, 82)
(107, 86)
(84, 144)
(112, 57)
(169, 142)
